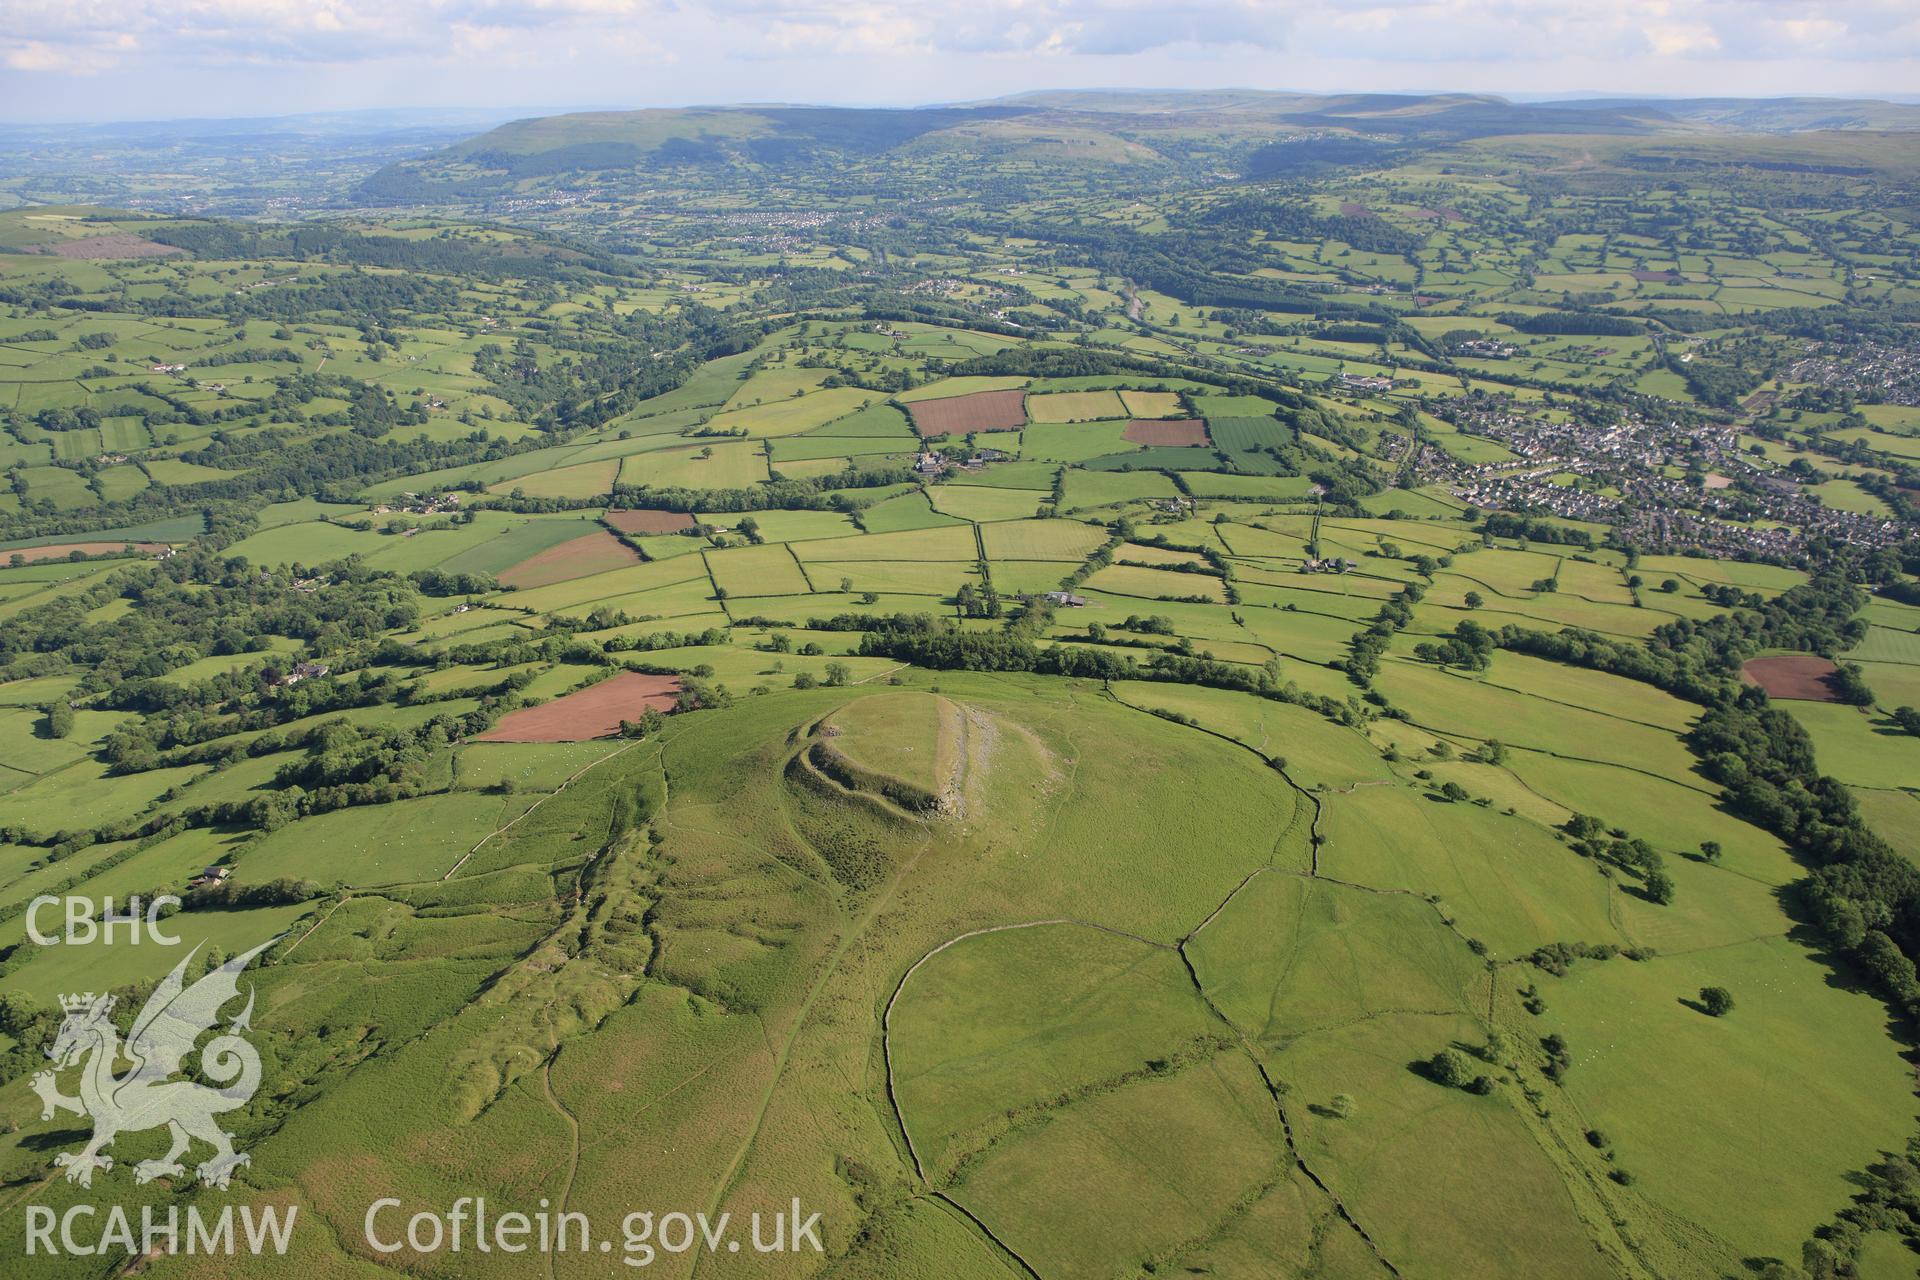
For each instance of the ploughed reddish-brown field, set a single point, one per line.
(649, 521)
(1799, 675)
(979, 411)
(597, 552)
(594, 712)
(61, 550)
(1169, 431)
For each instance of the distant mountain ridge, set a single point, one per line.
(1089, 129)
(1767, 115)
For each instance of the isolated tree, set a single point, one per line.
(1343, 1106)
(1451, 1068)
(1909, 719)
(1660, 887)
(1475, 599)
(1710, 850)
(839, 675)
(804, 680)
(1717, 1001)
(1559, 1056)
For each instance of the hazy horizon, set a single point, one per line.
(534, 109)
(129, 60)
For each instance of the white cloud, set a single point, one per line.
(1546, 32)
(177, 56)
(37, 55)
(64, 35)
(201, 32)
(1083, 27)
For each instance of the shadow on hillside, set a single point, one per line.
(61, 1138)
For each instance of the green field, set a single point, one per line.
(1321, 851)
(415, 840)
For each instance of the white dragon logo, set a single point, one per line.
(173, 1018)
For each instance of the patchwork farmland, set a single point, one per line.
(1160, 728)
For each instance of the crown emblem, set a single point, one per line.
(84, 1001)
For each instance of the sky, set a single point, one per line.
(160, 59)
